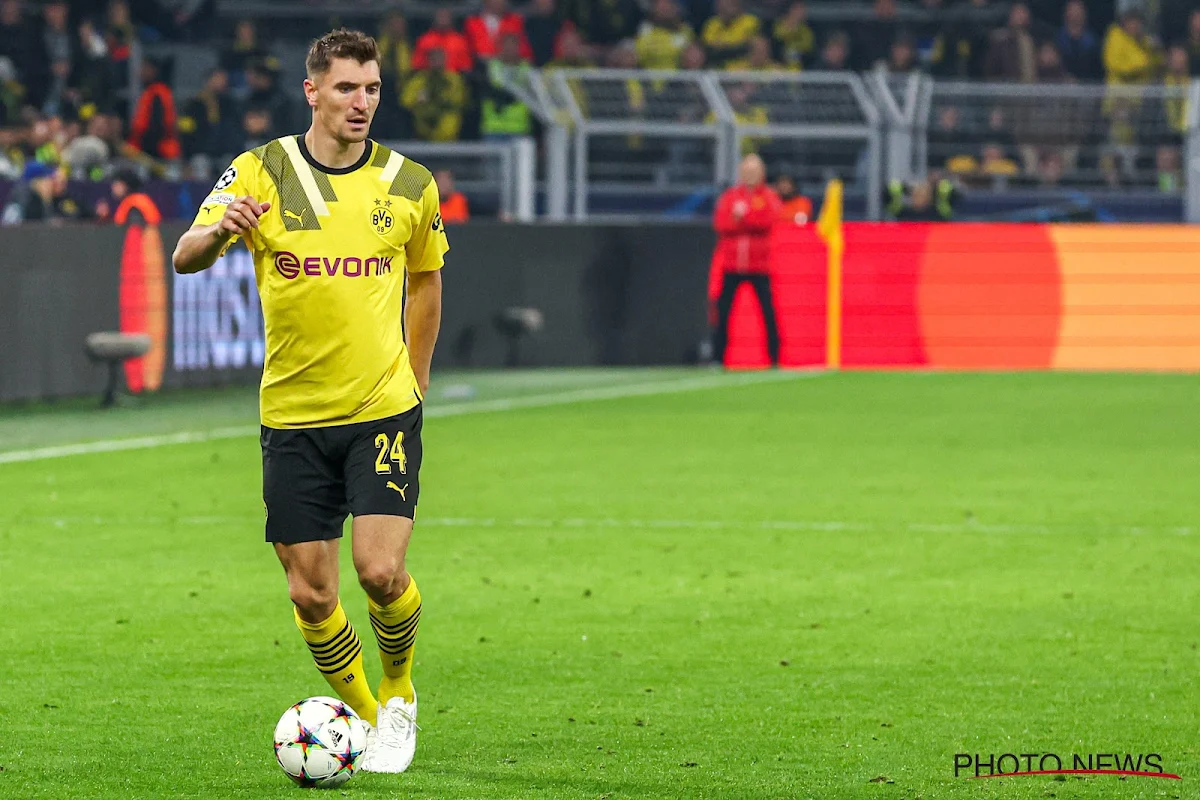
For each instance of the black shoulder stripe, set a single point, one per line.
(381, 156)
(295, 210)
(410, 181)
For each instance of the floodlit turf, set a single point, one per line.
(818, 587)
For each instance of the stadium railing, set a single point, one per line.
(1060, 135)
(1191, 203)
(813, 126)
(903, 101)
(639, 128)
(504, 171)
(617, 138)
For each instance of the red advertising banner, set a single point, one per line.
(983, 296)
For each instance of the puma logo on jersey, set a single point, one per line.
(392, 485)
(292, 214)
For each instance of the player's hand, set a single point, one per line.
(242, 215)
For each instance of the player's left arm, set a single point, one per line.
(426, 252)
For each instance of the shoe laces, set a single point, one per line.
(399, 727)
(404, 714)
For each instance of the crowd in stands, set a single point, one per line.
(65, 70)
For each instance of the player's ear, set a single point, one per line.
(310, 92)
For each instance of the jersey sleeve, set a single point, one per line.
(428, 245)
(238, 180)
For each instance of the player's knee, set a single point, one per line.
(315, 602)
(380, 578)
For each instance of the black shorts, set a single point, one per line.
(314, 477)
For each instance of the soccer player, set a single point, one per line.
(347, 243)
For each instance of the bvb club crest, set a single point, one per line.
(381, 217)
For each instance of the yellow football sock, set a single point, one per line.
(396, 632)
(338, 654)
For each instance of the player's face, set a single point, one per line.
(345, 98)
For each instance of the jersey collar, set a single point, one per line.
(317, 165)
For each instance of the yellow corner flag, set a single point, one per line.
(829, 227)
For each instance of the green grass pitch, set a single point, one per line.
(809, 586)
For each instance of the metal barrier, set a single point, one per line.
(903, 102)
(813, 125)
(507, 169)
(1191, 201)
(644, 127)
(1060, 136)
(681, 133)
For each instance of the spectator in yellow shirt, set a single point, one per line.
(759, 57)
(794, 38)
(437, 99)
(1130, 55)
(662, 37)
(740, 97)
(727, 36)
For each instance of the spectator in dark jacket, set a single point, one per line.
(1078, 46)
(210, 122)
(62, 52)
(262, 79)
(20, 42)
(153, 128)
(243, 51)
(95, 70)
(543, 25)
(966, 41)
(1012, 54)
(48, 198)
(873, 40)
(604, 22)
(1193, 42)
(835, 53)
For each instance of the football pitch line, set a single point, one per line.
(578, 523)
(560, 398)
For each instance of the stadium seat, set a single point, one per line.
(115, 349)
(515, 323)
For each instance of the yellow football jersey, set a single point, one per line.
(331, 258)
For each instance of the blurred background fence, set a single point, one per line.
(628, 109)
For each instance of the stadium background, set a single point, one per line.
(1026, 113)
(935, 560)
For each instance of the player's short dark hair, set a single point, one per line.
(341, 43)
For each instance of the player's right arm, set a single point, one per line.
(230, 211)
(201, 245)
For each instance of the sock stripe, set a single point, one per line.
(395, 650)
(329, 656)
(330, 669)
(341, 658)
(377, 622)
(337, 654)
(384, 633)
(395, 641)
(334, 641)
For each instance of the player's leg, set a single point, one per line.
(380, 543)
(305, 498)
(766, 301)
(382, 487)
(729, 287)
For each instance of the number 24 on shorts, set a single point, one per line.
(392, 451)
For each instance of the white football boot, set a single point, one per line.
(396, 740)
(372, 736)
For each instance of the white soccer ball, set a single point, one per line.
(319, 742)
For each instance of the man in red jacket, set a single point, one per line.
(443, 36)
(744, 217)
(486, 30)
